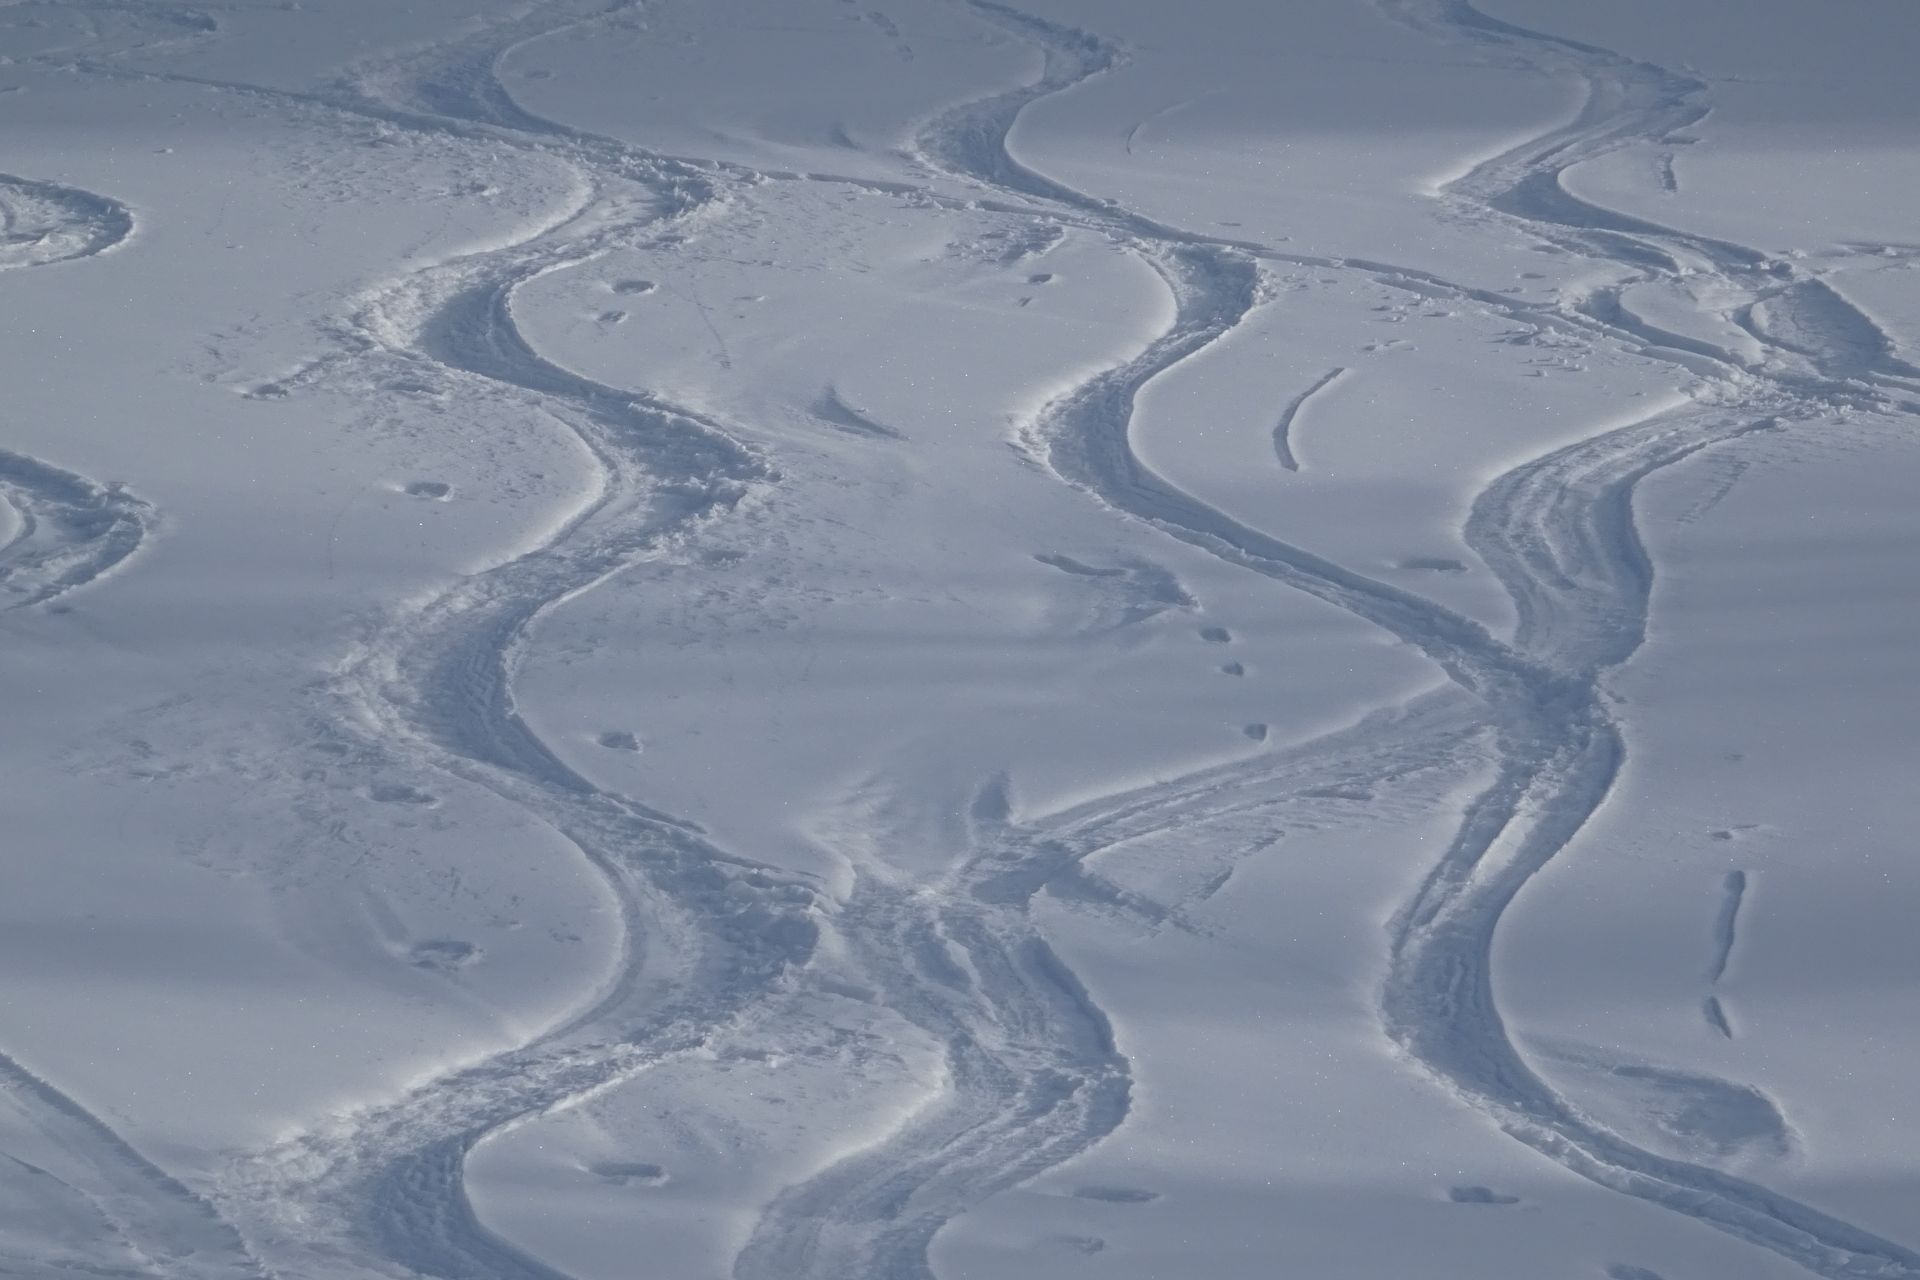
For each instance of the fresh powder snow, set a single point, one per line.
(957, 640)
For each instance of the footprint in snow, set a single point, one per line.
(629, 1173)
(618, 740)
(1116, 1195)
(1479, 1195)
(442, 955)
(438, 490)
(1081, 1244)
(633, 287)
(400, 793)
(1216, 635)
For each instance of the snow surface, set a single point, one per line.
(801, 639)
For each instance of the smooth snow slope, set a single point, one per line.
(829, 639)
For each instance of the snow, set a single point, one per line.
(930, 638)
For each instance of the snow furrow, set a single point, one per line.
(1283, 430)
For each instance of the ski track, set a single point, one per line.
(70, 530)
(429, 687)
(1559, 534)
(42, 223)
(706, 932)
(1034, 1074)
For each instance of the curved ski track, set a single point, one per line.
(70, 530)
(1034, 1075)
(43, 223)
(706, 933)
(1559, 534)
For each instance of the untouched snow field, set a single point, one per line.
(888, 639)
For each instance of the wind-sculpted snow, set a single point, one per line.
(42, 223)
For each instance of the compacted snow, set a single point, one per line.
(841, 639)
